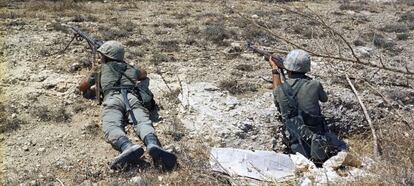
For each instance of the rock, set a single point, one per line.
(41, 149)
(302, 163)
(26, 148)
(209, 87)
(305, 181)
(254, 16)
(86, 183)
(137, 180)
(231, 102)
(233, 48)
(74, 67)
(365, 52)
(61, 87)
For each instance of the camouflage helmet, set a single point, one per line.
(113, 50)
(297, 61)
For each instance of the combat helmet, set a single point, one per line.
(297, 61)
(113, 50)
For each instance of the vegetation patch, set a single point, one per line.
(398, 28)
(169, 46)
(237, 87)
(48, 113)
(216, 34)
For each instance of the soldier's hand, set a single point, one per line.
(272, 63)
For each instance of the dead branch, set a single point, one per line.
(356, 60)
(389, 104)
(368, 118)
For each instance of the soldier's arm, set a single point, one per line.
(276, 81)
(86, 83)
(322, 94)
(142, 74)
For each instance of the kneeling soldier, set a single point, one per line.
(298, 101)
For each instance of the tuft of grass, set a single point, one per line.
(244, 67)
(354, 6)
(398, 28)
(216, 34)
(58, 27)
(169, 46)
(54, 6)
(83, 18)
(8, 123)
(138, 42)
(55, 114)
(407, 16)
(403, 36)
(236, 87)
(159, 57)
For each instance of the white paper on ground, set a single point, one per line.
(261, 165)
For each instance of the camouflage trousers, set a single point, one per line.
(114, 120)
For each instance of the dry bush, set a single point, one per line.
(84, 18)
(398, 27)
(59, 27)
(354, 6)
(236, 87)
(138, 42)
(169, 46)
(244, 67)
(159, 57)
(216, 34)
(403, 36)
(47, 113)
(54, 6)
(407, 16)
(7, 122)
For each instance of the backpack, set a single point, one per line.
(143, 93)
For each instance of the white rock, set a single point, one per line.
(41, 149)
(302, 163)
(137, 180)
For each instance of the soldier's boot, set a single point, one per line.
(130, 153)
(160, 156)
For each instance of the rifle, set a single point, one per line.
(277, 59)
(94, 44)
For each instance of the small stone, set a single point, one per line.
(137, 180)
(13, 115)
(41, 149)
(254, 16)
(74, 67)
(26, 148)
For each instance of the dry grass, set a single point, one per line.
(237, 87)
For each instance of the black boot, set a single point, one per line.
(160, 156)
(130, 153)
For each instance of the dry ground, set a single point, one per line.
(49, 134)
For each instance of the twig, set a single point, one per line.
(163, 79)
(368, 118)
(287, 41)
(389, 104)
(61, 183)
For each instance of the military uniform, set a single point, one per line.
(297, 100)
(308, 97)
(123, 101)
(113, 112)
